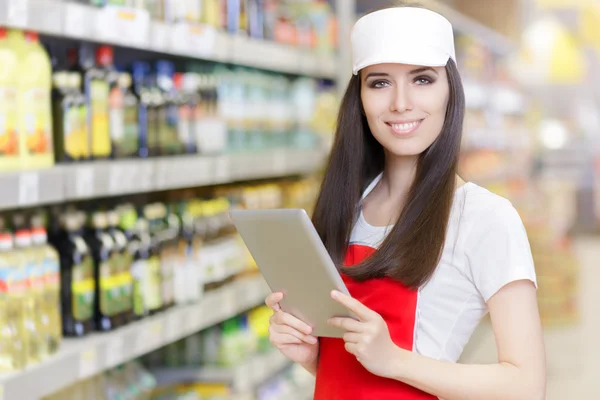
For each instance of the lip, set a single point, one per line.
(406, 127)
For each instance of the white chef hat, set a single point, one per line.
(405, 35)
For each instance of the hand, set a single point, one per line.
(290, 335)
(367, 338)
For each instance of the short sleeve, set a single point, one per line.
(498, 250)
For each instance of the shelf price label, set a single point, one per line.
(29, 188)
(77, 20)
(84, 181)
(88, 363)
(196, 39)
(117, 23)
(17, 13)
(223, 169)
(150, 337)
(114, 352)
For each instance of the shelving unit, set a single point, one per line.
(134, 28)
(81, 358)
(65, 183)
(243, 378)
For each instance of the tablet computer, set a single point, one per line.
(293, 260)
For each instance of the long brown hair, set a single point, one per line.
(412, 249)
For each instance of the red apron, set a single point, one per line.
(339, 374)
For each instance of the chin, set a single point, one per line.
(406, 149)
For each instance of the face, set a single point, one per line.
(405, 105)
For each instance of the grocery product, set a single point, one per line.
(35, 345)
(123, 263)
(9, 92)
(76, 275)
(12, 289)
(123, 116)
(145, 112)
(169, 140)
(105, 256)
(34, 104)
(48, 305)
(69, 118)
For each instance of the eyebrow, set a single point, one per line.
(413, 72)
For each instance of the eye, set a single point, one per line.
(379, 84)
(424, 80)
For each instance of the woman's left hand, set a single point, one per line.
(367, 338)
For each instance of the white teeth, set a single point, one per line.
(405, 127)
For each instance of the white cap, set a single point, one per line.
(403, 35)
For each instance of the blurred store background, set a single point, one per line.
(129, 128)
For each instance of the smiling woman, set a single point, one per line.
(424, 255)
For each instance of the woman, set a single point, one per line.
(424, 254)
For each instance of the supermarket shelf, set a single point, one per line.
(82, 358)
(129, 27)
(243, 378)
(117, 178)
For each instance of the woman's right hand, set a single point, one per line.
(290, 335)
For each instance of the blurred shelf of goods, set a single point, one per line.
(70, 270)
(500, 150)
(82, 104)
(307, 24)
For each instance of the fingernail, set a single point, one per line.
(313, 340)
(334, 294)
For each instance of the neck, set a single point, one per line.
(398, 175)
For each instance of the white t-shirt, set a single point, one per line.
(486, 248)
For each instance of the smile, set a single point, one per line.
(405, 128)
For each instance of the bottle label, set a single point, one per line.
(35, 277)
(125, 282)
(82, 288)
(131, 130)
(51, 274)
(9, 138)
(153, 296)
(37, 121)
(100, 121)
(70, 131)
(13, 281)
(138, 273)
(83, 133)
(108, 290)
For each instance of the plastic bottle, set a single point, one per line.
(9, 92)
(34, 337)
(142, 94)
(49, 306)
(123, 267)
(106, 291)
(12, 285)
(76, 276)
(35, 105)
(138, 247)
(169, 140)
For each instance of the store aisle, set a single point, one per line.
(573, 353)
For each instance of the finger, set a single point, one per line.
(272, 301)
(351, 348)
(360, 310)
(283, 339)
(283, 318)
(288, 330)
(351, 337)
(347, 324)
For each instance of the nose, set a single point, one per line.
(401, 101)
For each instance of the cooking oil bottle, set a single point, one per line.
(49, 299)
(35, 345)
(12, 351)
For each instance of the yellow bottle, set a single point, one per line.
(9, 89)
(48, 299)
(35, 104)
(35, 345)
(12, 351)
